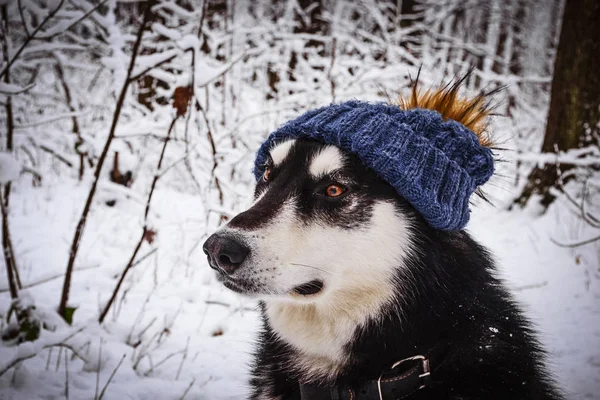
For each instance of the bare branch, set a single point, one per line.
(61, 345)
(187, 389)
(131, 262)
(213, 149)
(69, 101)
(29, 38)
(150, 68)
(98, 370)
(83, 17)
(48, 279)
(185, 353)
(576, 244)
(8, 251)
(16, 91)
(12, 271)
(23, 20)
(111, 377)
(330, 73)
(55, 154)
(81, 225)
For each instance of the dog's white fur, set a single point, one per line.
(357, 267)
(280, 151)
(358, 285)
(327, 161)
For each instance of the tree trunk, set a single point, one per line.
(575, 99)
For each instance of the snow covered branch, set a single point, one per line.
(118, 108)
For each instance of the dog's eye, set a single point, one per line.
(267, 174)
(334, 190)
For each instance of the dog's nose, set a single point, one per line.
(225, 253)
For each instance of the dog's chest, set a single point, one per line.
(318, 337)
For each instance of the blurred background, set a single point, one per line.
(127, 135)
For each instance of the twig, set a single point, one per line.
(23, 20)
(148, 326)
(37, 177)
(92, 18)
(213, 149)
(185, 353)
(16, 92)
(222, 72)
(84, 16)
(98, 370)
(15, 362)
(110, 377)
(161, 362)
(81, 225)
(145, 228)
(576, 244)
(53, 118)
(68, 347)
(7, 250)
(66, 376)
(587, 217)
(330, 73)
(187, 389)
(71, 335)
(142, 258)
(58, 359)
(186, 157)
(29, 38)
(48, 279)
(55, 154)
(69, 101)
(137, 320)
(7, 246)
(48, 346)
(49, 357)
(150, 68)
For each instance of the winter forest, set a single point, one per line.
(127, 135)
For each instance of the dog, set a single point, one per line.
(361, 298)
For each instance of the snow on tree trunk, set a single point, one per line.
(574, 116)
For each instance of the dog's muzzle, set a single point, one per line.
(225, 254)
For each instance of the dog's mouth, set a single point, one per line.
(308, 289)
(238, 286)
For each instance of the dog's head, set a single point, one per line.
(322, 225)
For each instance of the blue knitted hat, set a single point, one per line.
(433, 163)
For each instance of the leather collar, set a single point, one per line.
(401, 380)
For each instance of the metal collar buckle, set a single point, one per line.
(423, 376)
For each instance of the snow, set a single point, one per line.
(10, 168)
(186, 321)
(559, 288)
(8, 88)
(183, 335)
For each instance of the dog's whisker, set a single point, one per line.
(310, 266)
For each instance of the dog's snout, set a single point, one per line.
(225, 253)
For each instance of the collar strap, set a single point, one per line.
(401, 380)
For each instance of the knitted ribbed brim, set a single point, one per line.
(434, 164)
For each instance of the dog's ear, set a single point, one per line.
(471, 112)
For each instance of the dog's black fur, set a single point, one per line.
(450, 307)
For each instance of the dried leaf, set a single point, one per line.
(181, 99)
(149, 235)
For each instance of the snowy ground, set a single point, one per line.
(178, 329)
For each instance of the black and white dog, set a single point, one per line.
(362, 299)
